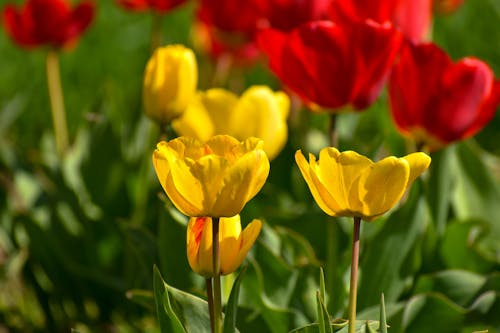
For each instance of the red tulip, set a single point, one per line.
(160, 6)
(287, 14)
(412, 17)
(436, 101)
(333, 65)
(47, 22)
(229, 27)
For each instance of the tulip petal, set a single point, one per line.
(195, 122)
(205, 263)
(247, 239)
(321, 195)
(220, 104)
(242, 182)
(418, 162)
(209, 171)
(193, 238)
(177, 181)
(340, 171)
(384, 186)
(230, 243)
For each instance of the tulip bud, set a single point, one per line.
(234, 244)
(170, 81)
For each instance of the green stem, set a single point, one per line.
(354, 276)
(156, 32)
(57, 102)
(331, 229)
(210, 295)
(216, 269)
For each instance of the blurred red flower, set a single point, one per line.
(229, 27)
(412, 17)
(333, 65)
(47, 22)
(436, 101)
(160, 6)
(287, 14)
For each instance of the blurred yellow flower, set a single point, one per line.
(259, 112)
(349, 184)
(216, 178)
(234, 244)
(170, 81)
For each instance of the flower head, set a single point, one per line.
(259, 112)
(435, 101)
(159, 6)
(412, 17)
(170, 81)
(47, 22)
(333, 65)
(234, 244)
(349, 184)
(216, 178)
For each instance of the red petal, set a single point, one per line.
(18, 27)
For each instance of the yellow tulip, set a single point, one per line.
(216, 178)
(259, 112)
(170, 81)
(349, 184)
(234, 244)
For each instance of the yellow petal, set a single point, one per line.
(320, 194)
(209, 171)
(384, 186)
(243, 180)
(220, 105)
(247, 239)
(183, 189)
(230, 242)
(170, 80)
(258, 113)
(419, 162)
(195, 122)
(205, 264)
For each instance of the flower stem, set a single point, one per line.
(210, 295)
(57, 102)
(216, 269)
(354, 275)
(156, 32)
(331, 228)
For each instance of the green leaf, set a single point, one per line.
(477, 192)
(232, 304)
(432, 310)
(185, 312)
(323, 316)
(142, 297)
(383, 320)
(384, 261)
(322, 292)
(439, 187)
(458, 285)
(166, 315)
(460, 247)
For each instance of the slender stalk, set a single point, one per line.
(216, 268)
(331, 229)
(210, 295)
(156, 32)
(57, 102)
(354, 276)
